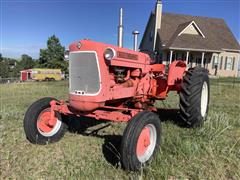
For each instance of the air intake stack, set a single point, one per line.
(120, 29)
(135, 40)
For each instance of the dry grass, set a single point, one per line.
(210, 152)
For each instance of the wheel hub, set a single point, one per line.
(146, 143)
(47, 126)
(43, 122)
(143, 141)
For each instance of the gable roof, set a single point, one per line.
(217, 34)
(192, 23)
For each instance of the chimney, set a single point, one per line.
(135, 38)
(158, 20)
(120, 29)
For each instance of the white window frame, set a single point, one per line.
(229, 63)
(215, 61)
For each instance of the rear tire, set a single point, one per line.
(35, 123)
(141, 140)
(194, 97)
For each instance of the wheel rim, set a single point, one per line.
(204, 99)
(146, 143)
(43, 126)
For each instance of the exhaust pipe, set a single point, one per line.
(120, 29)
(135, 40)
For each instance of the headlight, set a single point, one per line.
(79, 45)
(109, 54)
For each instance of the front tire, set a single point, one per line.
(36, 126)
(141, 140)
(194, 97)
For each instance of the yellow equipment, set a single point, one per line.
(47, 74)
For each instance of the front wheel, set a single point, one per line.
(37, 128)
(141, 140)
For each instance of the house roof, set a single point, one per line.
(217, 34)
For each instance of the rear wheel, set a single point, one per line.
(141, 140)
(194, 97)
(37, 126)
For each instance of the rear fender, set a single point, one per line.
(176, 72)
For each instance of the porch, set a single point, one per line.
(193, 58)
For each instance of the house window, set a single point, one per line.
(229, 63)
(215, 62)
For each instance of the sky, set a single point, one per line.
(25, 25)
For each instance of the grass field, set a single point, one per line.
(209, 152)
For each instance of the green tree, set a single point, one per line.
(1, 58)
(63, 65)
(4, 69)
(26, 62)
(53, 54)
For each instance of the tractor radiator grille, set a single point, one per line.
(83, 73)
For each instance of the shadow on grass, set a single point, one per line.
(112, 143)
(171, 115)
(111, 149)
(79, 125)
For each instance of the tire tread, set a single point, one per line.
(190, 96)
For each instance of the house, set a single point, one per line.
(200, 41)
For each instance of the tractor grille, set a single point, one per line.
(84, 73)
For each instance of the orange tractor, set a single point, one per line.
(112, 83)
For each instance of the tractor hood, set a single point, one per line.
(90, 73)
